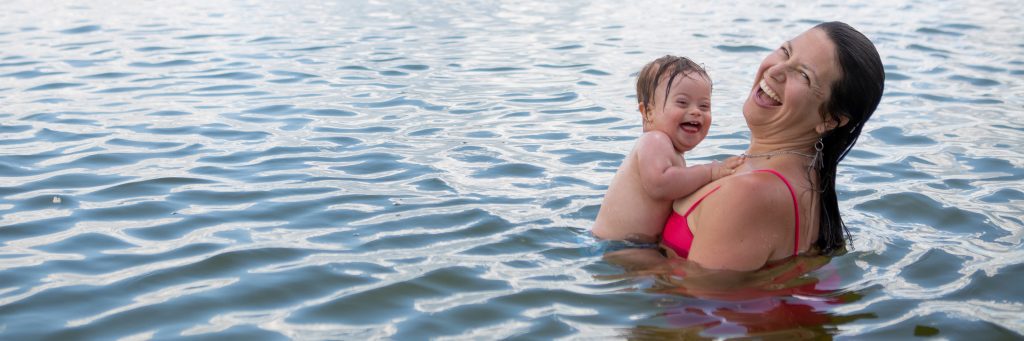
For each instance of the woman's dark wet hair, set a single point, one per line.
(855, 95)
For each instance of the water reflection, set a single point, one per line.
(254, 170)
(795, 298)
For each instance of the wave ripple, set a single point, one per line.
(346, 171)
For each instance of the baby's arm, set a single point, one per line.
(663, 174)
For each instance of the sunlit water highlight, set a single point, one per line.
(415, 170)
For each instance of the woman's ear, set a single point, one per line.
(843, 120)
(831, 122)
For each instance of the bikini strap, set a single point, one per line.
(796, 206)
(692, 207)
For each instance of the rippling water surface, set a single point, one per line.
(423, 170)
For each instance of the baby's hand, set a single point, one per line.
(723, 169)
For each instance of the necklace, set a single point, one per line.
(769, 155)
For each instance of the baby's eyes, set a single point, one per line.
(702, 106)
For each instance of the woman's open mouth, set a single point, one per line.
(765, 96)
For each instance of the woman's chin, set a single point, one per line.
(753, 112)
(749, 108)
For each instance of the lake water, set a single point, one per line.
(411, 170)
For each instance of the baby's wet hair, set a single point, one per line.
(674, 66)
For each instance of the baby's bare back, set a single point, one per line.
(628, 212)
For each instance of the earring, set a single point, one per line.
(818, 162)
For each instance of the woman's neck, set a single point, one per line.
(778, 161)
(797, 153)
(758, 147)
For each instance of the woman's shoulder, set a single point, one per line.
(741, 226)
(752, 196)
(761, 183)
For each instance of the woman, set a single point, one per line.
(810, 100)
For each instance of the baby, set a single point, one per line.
(674, 97)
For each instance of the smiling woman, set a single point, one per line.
(810, 100)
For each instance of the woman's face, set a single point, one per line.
(792, 85)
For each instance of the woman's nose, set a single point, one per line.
(777, 72)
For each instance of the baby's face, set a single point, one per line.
(686, 116)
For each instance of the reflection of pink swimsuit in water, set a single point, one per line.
(677, 234)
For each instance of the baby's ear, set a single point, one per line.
(643, 113)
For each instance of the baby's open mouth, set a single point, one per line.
(690, 127)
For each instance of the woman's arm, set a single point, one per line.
(743, 224)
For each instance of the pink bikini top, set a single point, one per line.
(679, 238)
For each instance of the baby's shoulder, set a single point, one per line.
(654, 135)
(653, 139)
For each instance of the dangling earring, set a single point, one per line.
(818, 162)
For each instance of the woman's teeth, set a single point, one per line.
(768, 91)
